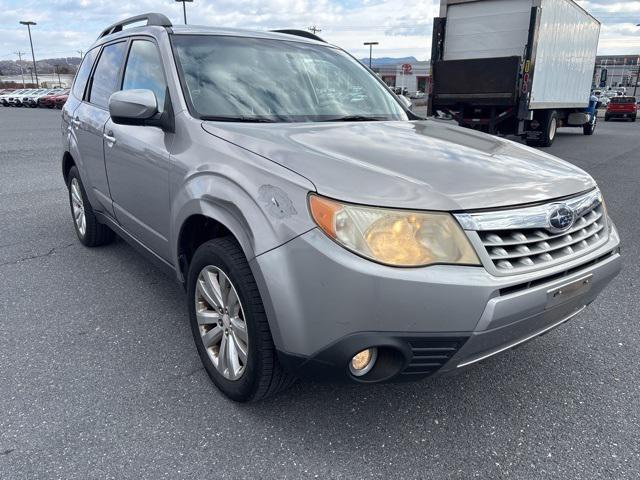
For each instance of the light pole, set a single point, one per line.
(33, 55)
(184, 8)
(370, 44)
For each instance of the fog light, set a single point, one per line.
(362, 362)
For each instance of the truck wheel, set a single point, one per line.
(549, 126)
(550, 129)
(229, 324)
(606, 118)
(590, 127)
(90, 232)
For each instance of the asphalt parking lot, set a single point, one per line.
(99, 375)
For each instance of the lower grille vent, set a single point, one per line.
(431, 354)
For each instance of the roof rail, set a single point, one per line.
(153, 19)
(300, 33)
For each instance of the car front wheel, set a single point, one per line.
(229, 324)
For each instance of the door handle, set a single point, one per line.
(75, 122)
(109, 138)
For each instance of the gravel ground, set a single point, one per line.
(99, 377)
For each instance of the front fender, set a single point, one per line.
(260, 216)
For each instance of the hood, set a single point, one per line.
(420, 164)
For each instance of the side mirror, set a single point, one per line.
(405, 101)
(133, 107)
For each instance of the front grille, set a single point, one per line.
(431, 354)
(535, 247)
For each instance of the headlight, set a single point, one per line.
(394, 237)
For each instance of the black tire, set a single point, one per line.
(590, 128)
(96, 234)
(606, 118)
(633, 119)
(263, 375)
(549, 126)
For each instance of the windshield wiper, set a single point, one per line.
(214, 118)
(352, 118)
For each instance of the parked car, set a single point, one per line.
(49, 100)
(622, 107)
(15, 99)
(4, 97)
(34, 99)
(345, 240)
(61, 99)
(24, 99)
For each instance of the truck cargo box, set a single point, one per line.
(555, 41)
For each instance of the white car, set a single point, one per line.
(4, 98)
(28, 99)
(15, 98)
(32, 100)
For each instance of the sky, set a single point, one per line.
(402, 27)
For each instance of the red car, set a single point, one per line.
(61, 99)
(622, 107)
(49, 101)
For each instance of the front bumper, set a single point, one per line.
(325, 304)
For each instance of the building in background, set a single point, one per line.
(412, 76)
(621, 71)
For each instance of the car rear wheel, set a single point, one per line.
(229, 324)
(91, 233)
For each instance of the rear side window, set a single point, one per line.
(83, 73)
(106, 74)
(144, 70)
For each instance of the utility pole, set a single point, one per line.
(370, 44)
(21, 66)
(31, 73)
(33, 55)
(58, 72)
(81, 54)
(314, 29)
(184, 8)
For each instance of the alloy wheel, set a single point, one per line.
(77, 206)
(221, 322)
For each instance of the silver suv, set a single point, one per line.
(320, 227)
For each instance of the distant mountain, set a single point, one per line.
(47, 65)
(386, 61)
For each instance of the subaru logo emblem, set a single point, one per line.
(561, 218)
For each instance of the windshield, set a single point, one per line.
(250, 79)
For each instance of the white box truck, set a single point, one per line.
(515, 67)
